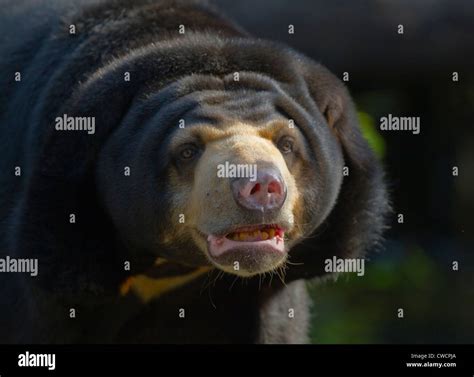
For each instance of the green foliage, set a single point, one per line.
(364, 309)
(369, 131)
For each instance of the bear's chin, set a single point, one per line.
(246, 258)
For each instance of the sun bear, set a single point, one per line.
(175, 179)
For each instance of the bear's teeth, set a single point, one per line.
(255, 235)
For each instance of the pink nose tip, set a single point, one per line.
(267, 192)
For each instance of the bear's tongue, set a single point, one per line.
(248, 237)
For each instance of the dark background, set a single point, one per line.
(406, 74)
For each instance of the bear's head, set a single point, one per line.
(226, 154)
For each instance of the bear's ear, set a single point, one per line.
(357, 220)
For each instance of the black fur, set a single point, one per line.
(82, 74)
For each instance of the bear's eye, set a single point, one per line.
(285, 144)
(188, 152)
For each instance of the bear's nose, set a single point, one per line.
(266, 192)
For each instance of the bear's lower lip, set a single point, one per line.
(268, 238)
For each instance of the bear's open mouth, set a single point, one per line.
(267, 237)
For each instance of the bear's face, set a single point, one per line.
(237, 184)
(246, 191)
